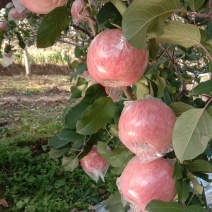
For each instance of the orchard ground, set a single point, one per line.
(30, 114)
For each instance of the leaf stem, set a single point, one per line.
(120, 6)
(209, 101)
(206, 51)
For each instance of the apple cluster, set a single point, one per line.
(145, 125)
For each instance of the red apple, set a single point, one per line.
(113, 62)
(3, 26)
(94, 164)
(77, 11)
(42, 6)
(15, 15)
(140, 183)
(146, 126)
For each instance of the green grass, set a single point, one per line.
(29, 179)
(37, 183)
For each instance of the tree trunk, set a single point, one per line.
(27, 62)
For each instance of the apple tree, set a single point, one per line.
(141, 96)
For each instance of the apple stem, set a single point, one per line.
(128, 93)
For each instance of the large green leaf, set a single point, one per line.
(192, 132)
(146, 17)
(199, 166)
(178, 33)
(180, 107)
(159, 206)
(96, 116)
(203, 88)
(194, 4)
(51, 26)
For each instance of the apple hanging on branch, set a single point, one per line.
(94, 164)
(140, 183)
(113, 62)
(145, 128)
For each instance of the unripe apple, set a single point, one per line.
(94, 164)
(146, 126)
(3, 26)
(140, 183)
(113, 62)
(77, 12)
(42, 6)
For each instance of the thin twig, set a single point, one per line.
(83, 30)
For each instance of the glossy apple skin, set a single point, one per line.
(94, 164)
(3, 26)
(140, 183)
(42, 6)
(78, 15)
(113, 62)
(146, 126)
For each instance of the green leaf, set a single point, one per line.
(114, 203)
(119, 157)
(183, 190)
(75, 114)
(203, 88)
(70, 163)
(51, 26)
(141, 90)
(192, 132)
(20, 40)
(178, 33)
(194, 4)
(199, 166)
(159, 206)
(143, 17)
(76, 91)
(161, 86)
(96, 116)
(180, 107)
(78, 52)
(209, 110)
(65, 137)
(178, 171)
(56, 153)
(107, 16)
